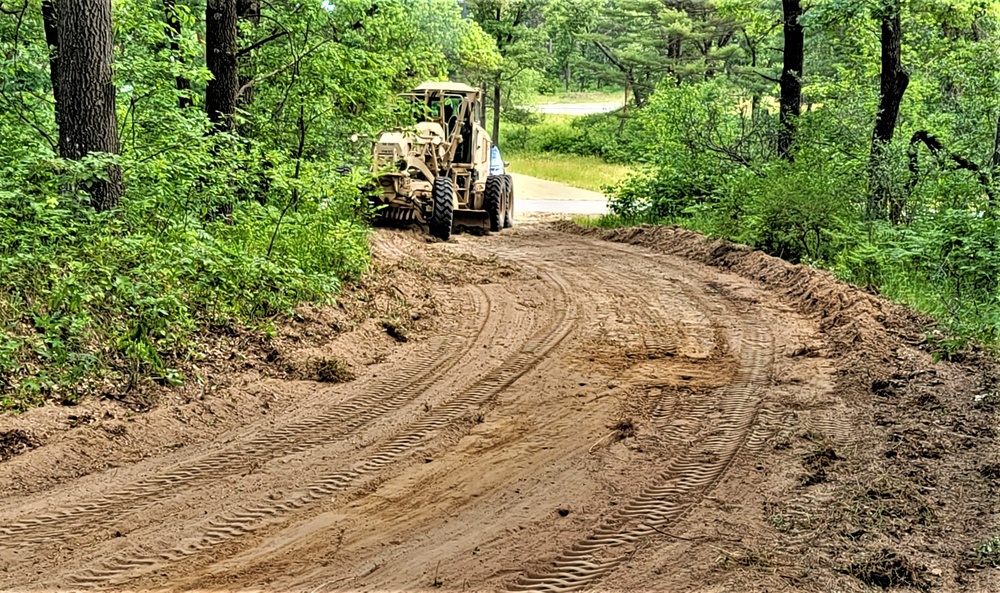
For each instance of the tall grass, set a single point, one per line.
(584, 172)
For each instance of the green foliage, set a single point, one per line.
(216, 231)
(989, 552)
(123, 294)
(598, 135)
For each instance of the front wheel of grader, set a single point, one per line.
(508, 218)
(494, 198)
(443, 208)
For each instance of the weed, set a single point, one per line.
(779, 521)
(989, 552)
(437, 583)
(885, 568)
(332, 370)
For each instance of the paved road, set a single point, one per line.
(577, 108)
(535, 197)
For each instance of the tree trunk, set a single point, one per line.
(174, 34)
(638, 94)
(569, 76)
(496, 111)
(995, 157)
(893, 82)
(50, 20)
(790, 103)
(221, 59)
(85, 94)
(247, 10)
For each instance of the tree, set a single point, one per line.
(566, 22)
(221, 57)
(646, 42)
(893, 81)
(515, 26)
(791, 76)
(85, 92)
(173, 31)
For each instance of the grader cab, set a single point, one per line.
(440, 172)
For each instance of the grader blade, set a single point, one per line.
(477, 221)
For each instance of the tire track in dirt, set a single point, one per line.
(233, 525)
(404, 385)
(608, 311)
(677, 414)
(611, 291)
(686, 481)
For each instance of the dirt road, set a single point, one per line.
(571, 413)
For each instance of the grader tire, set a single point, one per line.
(443, 209)
(494, 198)
(508, 219)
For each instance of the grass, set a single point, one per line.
(611, 96)
(576, 171)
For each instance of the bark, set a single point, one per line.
(85, 98)
(173, 35)
(790, 102)
(50, 20)
(496, 111)
(893, 81)
(221, 59)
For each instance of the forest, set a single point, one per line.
(174, 169)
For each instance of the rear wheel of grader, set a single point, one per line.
(443, 208)
(508, 219)
(494, 198)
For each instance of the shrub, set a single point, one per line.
(124, 294)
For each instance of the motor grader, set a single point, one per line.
(439, 172)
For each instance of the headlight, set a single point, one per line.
(436, 140)
(355, 137)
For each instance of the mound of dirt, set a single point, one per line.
(907, 493)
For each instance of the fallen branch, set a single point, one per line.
(938, 150)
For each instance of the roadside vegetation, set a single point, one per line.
(861, 139)
(212, 193)
(207, 196)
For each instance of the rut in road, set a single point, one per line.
(689, 477)
(706, 431)
(650, 324)
(672, 493)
